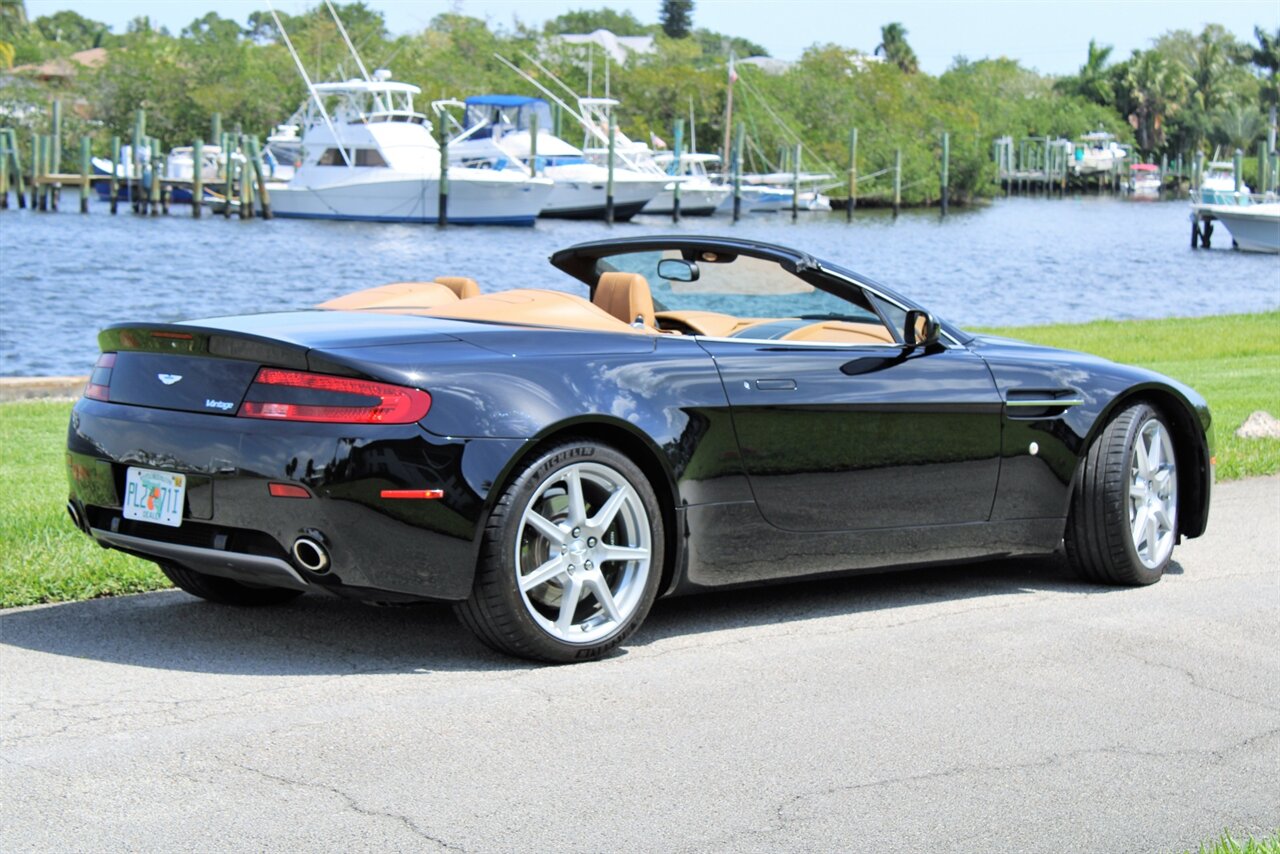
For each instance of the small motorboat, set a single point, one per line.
(1144, 180)
(1253, 227)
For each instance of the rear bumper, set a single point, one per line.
(232, 526)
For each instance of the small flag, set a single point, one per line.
(656, 142)
(733, 75)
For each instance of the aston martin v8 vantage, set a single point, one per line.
(678, 414)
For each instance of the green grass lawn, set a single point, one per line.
(1228, 844)
(43, 558)
(1234, 361)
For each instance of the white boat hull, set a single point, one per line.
(1254, 228)
(580, 192)
(373, 195)
(694, 201)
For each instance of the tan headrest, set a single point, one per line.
(626, 296)
(462, 286)
(406, 294)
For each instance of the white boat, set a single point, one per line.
(1253, 227)
(699, 194)
(1144, 180)
(496, 135)
(375, 158)
(769, 191)
(1218, 185)
(1096, 153)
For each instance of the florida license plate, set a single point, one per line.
(154, 496)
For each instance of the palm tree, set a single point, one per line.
(893, 47)
(1237, 126)
(1092, 82)
(1266, 56)
(1152, 84)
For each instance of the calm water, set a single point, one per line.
(1019, 261)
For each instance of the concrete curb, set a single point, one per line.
(40, 388)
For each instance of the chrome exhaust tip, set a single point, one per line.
(310, 555)
(74, 513)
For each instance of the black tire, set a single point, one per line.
(1099, 539)
(224, 591)
(506, 619)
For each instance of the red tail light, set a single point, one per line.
(285, 395)
(99, 386)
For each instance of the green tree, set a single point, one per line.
(72, 29)
(894, 48)
(1153, 86)
(589, 20)
(676, 18)
(1092, 81)
(1266, 57)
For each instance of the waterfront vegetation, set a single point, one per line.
(1232, 360)
(1187, 92)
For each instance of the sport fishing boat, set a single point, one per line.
(374, 157)
(1096, 153)
(496, 135)
(1218, 185)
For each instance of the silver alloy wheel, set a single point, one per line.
(583, 553)
(1153, 494)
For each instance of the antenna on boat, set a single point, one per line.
(310, 86)
(346, 38)
(538, 65)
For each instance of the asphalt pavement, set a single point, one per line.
(997, 707)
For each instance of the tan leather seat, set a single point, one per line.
(626, 296)
(462, 286)
(397, 294)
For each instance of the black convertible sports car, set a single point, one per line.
(715, 412)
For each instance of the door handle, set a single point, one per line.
(776, 385)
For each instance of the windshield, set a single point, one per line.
(722, 295)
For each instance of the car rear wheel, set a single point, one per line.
(571, 558)
(1124, 514)
(224, 591)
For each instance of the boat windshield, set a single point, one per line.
(506, 115)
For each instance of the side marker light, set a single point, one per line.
(427, 494)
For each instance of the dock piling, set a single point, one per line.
(533, 144)
(197, 177)
(153, 192)
(55, 149)
(4, 170)
(897, 182)
(113, 181)
(259, 177)
(675, 165)
(853, 176)
(1237, 163)
(946, 160)
(442, 214)
(86, 156)
(736, 166)
(608, 195)
(795, 182)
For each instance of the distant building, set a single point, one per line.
(618, 47)
(767, 64)
(63, 68)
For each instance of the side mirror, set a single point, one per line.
(678, 270)
(920, 329)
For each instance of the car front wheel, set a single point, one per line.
(1124, 514)
(571, 558)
